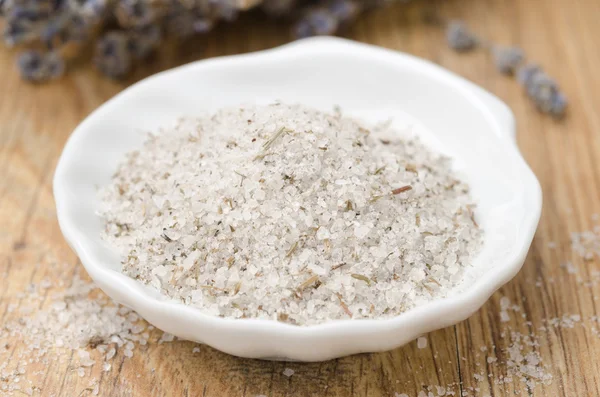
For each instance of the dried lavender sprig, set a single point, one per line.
(61, 23)
(459, 37)
(540, 88)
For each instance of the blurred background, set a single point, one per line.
(64, 58)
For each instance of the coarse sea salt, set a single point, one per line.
(291, 214)
(76, 325)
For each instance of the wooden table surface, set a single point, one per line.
(562, 35)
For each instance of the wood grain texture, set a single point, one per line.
(562, 35)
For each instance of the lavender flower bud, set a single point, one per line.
(278, 7)
(559, 105)
(135, 13)
(78, 28)
(17, 32)
(525, 73)
(316, 22)
(225, 9)
(459, 37)
(29, 12)
(92, 11)
(39, 67)
(184, 24)
(507, 59)
(113, 55)
(343, 10)
(50, 31)
(143, 41)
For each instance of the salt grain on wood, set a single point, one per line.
(288, 372)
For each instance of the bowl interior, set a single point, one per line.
(372, 88)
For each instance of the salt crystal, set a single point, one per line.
(422, 342)
(288, 372)
(166, 337)
(571, 269)
(361, 231)
(111, 353)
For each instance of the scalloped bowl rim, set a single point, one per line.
(425, 318)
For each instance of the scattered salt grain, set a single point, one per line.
(422, 342)
(78, 322)
(111, 353)
(284, 217)
(587, 243)
(504, 306)
(166, 337)
(564, 321)
(84, 358)
(288, 372)
(196, 350)
(526, 365)
(569, 267)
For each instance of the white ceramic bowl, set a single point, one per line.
(369, 82)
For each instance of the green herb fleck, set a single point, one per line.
(362, 278)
